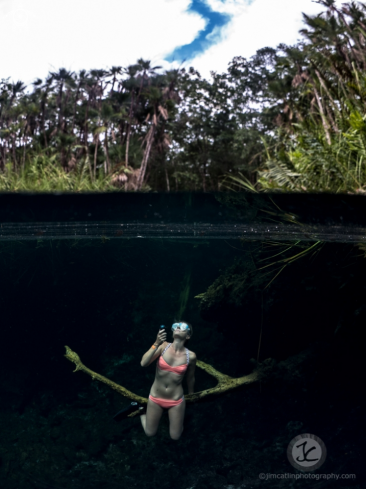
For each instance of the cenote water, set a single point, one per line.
(274, 289)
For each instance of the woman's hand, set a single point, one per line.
(160, 338)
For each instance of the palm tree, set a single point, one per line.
(113, 72)
(107, 116)
(16, 89)
(328, 91)
(62, 77)
(130, 85)
(12, 113)
(145, 71)
(81, 83)
(159, 94)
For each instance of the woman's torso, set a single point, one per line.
(168, 384)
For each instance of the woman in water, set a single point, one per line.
(167, 392)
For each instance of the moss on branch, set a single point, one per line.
(224, 382)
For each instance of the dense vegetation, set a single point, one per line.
(291, 118)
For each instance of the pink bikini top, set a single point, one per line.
(180, 369)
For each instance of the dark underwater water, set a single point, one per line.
(293, 310)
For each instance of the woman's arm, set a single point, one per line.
(153, 353)
(190, 372)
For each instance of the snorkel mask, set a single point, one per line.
(182, 326)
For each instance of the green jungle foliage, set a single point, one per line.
(288, 119)
(321, 143)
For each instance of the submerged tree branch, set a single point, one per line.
(225, 382)
(74, 357)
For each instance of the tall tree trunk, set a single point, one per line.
(145, 158)
(122, 136)
(166, 177)
(324, 119)
(63, 158)
(127, 144)
(24, 146)
(14, 154)
(203, 180)
(128, 133)
(95, 156)
(75, 104)
(43, 108)
(4, 154)
(60, 115)
(86, 122)
(328, 110)
(175, 177)
(106, 151)
(2, 157)
(322, 82)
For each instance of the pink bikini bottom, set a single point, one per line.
(165, 403)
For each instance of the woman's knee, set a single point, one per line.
(150, 433)
(175, 436)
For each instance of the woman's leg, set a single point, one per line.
(176, 418)
(150, 421)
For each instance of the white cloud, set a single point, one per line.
(260, 24)
(39, 36)
(78, 34)
(229, 6)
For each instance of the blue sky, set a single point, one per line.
(44, 35)
(215, 21)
